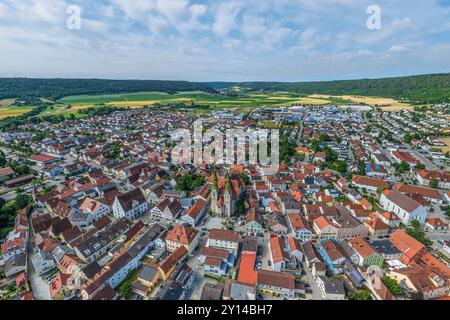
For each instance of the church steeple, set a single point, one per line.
(216, 181)
(228, 185)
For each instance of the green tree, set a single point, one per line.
(125, 290)
(417, 233)
(241, 207)
(433, 183)
(340, 166)
(447, 211)
(22, 201)
(407, 139)
(188, 182)
(2, 159)
(331, 156)
(402, 167)
(244, 178)
(392, 285)
(360, 295)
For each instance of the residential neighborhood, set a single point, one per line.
(96, 209)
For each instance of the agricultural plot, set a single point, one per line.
(241, 104)
(12, 111)
(150, 98)
(447, 147)
(386, 104)
(6, 102)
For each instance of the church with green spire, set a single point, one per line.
(225, 194)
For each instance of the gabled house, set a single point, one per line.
(182, 236)
(224, 239)
(94, 208)
(403, 206)
(279, 255)
(13, 247)
(254, 222)
(412, 250)
(167, 210)
(332, 256)
(367, 255)
(195, 213)
(299, 227)
(130, 205)
(43, 262)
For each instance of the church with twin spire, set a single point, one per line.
(225, 194)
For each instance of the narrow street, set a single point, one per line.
(313, 285)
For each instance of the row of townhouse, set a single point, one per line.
(119, 268)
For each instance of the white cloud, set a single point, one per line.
(402, 23)
(397, 49)
(253, 26)
(95, 26)
(3, 10)
(211, 39)
(225, 18)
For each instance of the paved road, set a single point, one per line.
(438, 236)
(7, 281)
(428, 164)
(9, 196)
(316, 295)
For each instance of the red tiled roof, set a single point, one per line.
(424, 192)
(436, 222)
(43, 158)
(405, 156)
(224, 235)
(404, 202)
(370, 182)
(362, 247)
(277, 246)
(322, 222)
(276, 279)
(182, 234)
(6, 172)
(195, 210)
(247, 273)
(411, 248)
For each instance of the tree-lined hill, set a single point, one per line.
(431, 88)
(27, 88)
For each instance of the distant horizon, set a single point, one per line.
(219, 81)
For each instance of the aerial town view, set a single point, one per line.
(268, 174)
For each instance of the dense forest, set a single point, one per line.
(432, 88)
(24, 88)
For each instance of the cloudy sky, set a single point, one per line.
(226, 40)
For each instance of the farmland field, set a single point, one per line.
(446, 148)
(11, 111)
(6, 102)
(384, 103)
(150, 98)
(242, 103)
